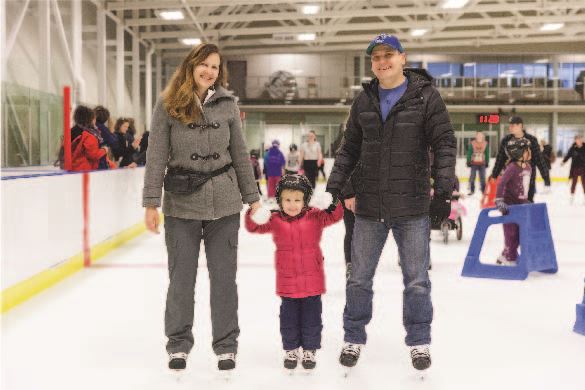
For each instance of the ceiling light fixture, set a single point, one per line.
(451, 4)
(190, 41)
(170, 14)
(419, 32)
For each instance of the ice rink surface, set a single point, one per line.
(102, 328)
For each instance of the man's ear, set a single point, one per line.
(404, 63)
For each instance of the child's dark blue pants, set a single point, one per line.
(300, 322)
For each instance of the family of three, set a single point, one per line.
(198, 169)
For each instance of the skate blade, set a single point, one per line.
(178, 375)
(225, 375)
(346, 371)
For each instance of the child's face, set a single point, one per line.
(292, 202)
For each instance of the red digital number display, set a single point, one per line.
(492, 119)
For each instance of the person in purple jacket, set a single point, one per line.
(513, 189)
(274, 163)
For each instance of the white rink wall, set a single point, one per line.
(42, 217)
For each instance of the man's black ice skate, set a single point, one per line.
(350, 353)
(291, 359)
(309, 362)
(226, 361)
(177, 361)
(421, 357)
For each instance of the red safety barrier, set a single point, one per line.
(67, 127)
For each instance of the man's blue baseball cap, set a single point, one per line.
(385, 39)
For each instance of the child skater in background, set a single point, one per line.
(513, 189)
(296, 230)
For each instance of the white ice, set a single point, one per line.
(102, 328)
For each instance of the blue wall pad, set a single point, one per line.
(537, 250)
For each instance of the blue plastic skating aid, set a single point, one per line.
(537, 250)
(580, 322)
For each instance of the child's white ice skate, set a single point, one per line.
(291, 359)
(309, 359)
(503, 261)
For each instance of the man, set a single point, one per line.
(478, 158)
(516, 127)
(393, 123)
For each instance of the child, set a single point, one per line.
(513, 189)
(296, 230)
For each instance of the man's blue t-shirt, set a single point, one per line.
(389, 97)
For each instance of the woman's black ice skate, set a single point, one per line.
(350, 353)
(177, 361)
(421, 357)
(291, 359)
(226, 361)
(309, 362)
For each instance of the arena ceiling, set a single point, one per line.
(449, 26)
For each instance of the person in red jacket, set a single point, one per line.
(296, 230)
(85, 141)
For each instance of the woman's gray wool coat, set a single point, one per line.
(176, 144)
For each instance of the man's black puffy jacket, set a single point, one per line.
(391, 158)
(536, 158)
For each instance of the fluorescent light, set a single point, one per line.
(552, 26)
(455, 3)
(310, 9)
(541, 61)
(170, 14)
(190, 41)
(447, 74)
(419, 32)
(469, 64)
(306, 37)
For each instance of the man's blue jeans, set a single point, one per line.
(412, 239)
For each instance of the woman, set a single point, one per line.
(310, 155)
(196, 134)
(127, 145)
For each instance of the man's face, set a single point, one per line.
(516, 129)
(387, 63)
(579, 141)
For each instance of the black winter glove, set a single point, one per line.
(440, 209)
(502, 206)
(468, 164)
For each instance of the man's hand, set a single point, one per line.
(151, 219)
(350, 204)
(440, 209)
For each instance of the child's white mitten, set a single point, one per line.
(261, 216)
(322, 201)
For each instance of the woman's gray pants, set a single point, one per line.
(183, 238)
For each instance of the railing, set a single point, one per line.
(291, 89)
(32, 126)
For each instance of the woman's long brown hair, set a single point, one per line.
(180, 97)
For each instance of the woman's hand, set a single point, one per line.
(254, 206)
(151, 219)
